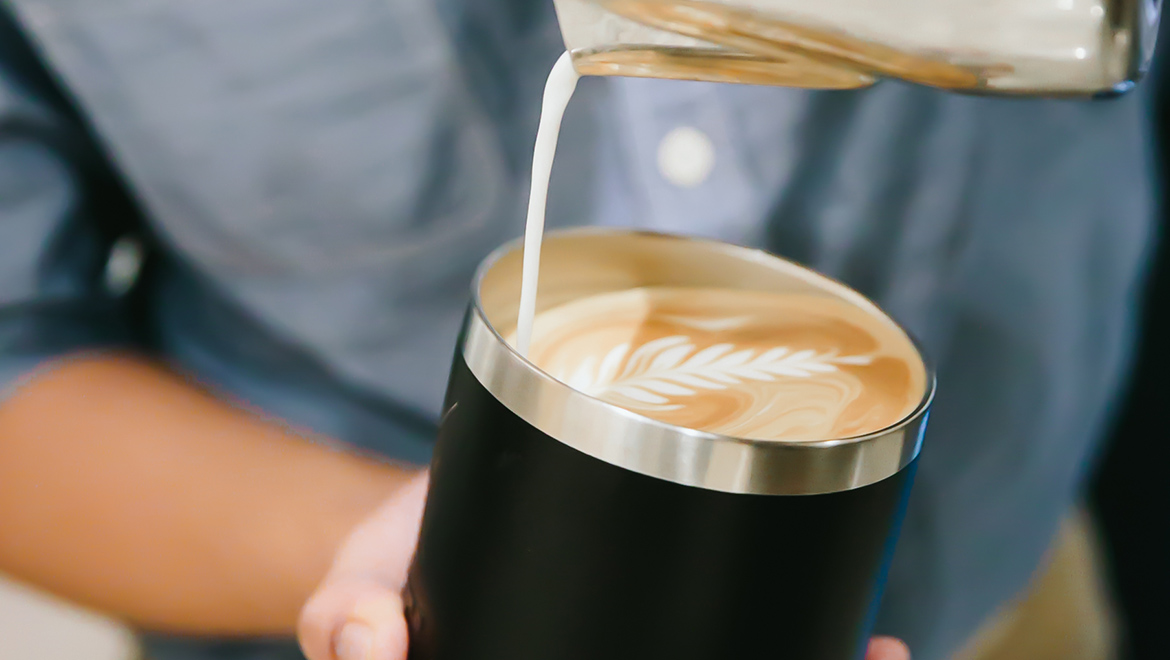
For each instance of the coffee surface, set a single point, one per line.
(747, 364)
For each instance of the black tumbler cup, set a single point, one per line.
(560, 527)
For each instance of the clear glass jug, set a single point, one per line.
(1002, 47)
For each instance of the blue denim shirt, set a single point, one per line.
(320, 180)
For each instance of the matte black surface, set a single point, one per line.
(531, 550)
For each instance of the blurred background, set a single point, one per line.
(1130, 497)
(34, 626)
(1103, 594)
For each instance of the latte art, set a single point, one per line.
(741, 363)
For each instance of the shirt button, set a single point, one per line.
(686, 157)
(123, 265)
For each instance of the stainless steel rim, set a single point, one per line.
(684, 456)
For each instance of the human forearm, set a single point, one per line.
(126, 487)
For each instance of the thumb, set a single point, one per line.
(353, 620)
(356, 613)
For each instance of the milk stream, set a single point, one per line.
(557, 92)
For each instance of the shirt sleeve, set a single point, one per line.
(54, 244)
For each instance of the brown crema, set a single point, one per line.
(747, 364)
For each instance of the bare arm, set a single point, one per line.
(122, 485)
(125, 487)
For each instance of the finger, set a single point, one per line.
(887, 648)
(380, 548)
(353, 621)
